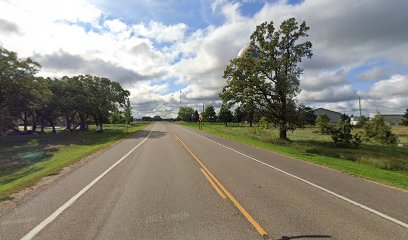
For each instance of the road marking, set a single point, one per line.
(380, 214)
(222, 195)
(229, 195)
(61, 209)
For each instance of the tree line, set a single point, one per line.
(76, 102)
(241, 114)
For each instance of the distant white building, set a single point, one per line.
(354, 120)
(333, 116)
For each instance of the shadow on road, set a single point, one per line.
(144, 133)
(304, 237)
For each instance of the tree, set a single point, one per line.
(225, 114)
(127, 111)
(25, 97)
(186, 114)
(305, 116)
(17, 91)
(209, 114)
(105, 98)
(323, 123)
(405, 118)
(116, 116)
(238, 115)
(378, 130)
(196, 116)
(271, 79)
(362, 121)
(250, 111)
(47, 108)
(147, 119)
(341, 133)
(82, 92)
(157, 118)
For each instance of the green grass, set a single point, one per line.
(26, 159)
(381, 163)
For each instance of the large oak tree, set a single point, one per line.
(268, 72)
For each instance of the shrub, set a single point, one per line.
(377, 129)
(361, 122)
(405, 118)
(341, 133)
(323, 123)
(263, 123)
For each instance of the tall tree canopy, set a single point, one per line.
(225, 114)
(209, 114)
(29, 99)
(269, 71)
(127, 108)
(18, 88)
(186, 113)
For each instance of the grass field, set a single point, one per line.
(26, 159)
(386, 164)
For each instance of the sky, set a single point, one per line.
(156, 49)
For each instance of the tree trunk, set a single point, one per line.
(25, 121)
(100, 122)
(283, 120)
(34, 120)
(42, 125)
(53, 126)
(68, 123)
(53, 129)
(82, 124)
(250, 123)
(226, 124)
(282, 131)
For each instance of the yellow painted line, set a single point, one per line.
(222, 195)
(229, 195)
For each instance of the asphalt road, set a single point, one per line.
(171, 182)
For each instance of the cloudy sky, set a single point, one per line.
(157, 48)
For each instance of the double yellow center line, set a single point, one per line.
(221, 190)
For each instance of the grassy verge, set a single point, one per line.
(25, 160)
(385, 164)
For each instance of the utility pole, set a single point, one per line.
(202, 117)
(359, 105)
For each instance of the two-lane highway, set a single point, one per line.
(169, 182)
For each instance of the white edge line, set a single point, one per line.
(61, 209)
(405, 225)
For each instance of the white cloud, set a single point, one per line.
(396, 86)
(319, 80)
(111, 51)
(116, 25)
(345, 35)
(160, 32)
(330, 94)
(217, 3)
